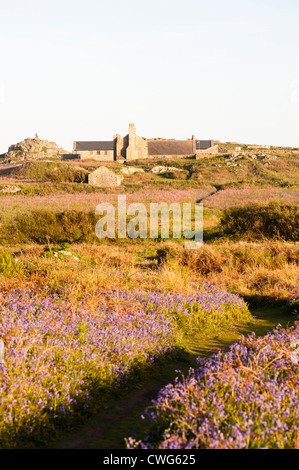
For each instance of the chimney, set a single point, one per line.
(193, 144)
(131, 128)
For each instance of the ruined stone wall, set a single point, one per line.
(132, 147)
(210, 151)
(125, 146)
(137, 147)
(119, 147)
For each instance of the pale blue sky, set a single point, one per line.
(74, 70)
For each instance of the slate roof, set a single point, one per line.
(94, 145)
(170, 147)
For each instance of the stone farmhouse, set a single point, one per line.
(132, 147)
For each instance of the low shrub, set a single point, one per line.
(54, 172)
(67, 174)
(44, 226)
(9, 265)
(275, 221)
(176, 175)
(240, 257)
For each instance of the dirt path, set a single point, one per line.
(121, 416)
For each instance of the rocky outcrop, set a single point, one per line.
(130, 170)
(33, 149)
(158, 170)
(9, 189)
(253, 156)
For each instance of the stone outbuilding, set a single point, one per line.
(104, 178)
(102, 150)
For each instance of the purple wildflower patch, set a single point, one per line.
(59, 351)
